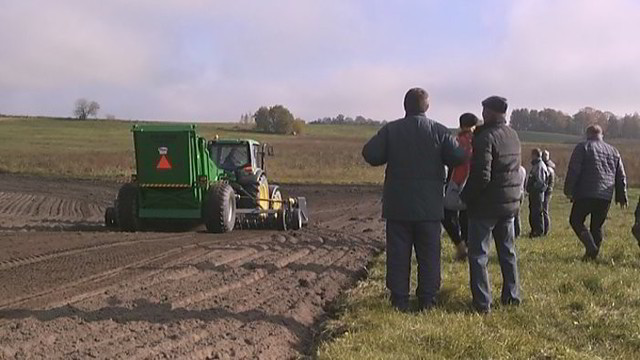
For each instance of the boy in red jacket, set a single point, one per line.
(455, 216)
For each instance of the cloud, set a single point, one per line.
(213, 60)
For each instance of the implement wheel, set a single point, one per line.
(128, 208)
(110, 219)
(220, 209)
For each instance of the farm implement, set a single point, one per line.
(221, 183)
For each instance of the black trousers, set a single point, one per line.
(598, 209)
(456, 225)
(536, 218)
(402, 238)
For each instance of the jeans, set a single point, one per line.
(455, 223)
(598, 209)
(536, 219)
(546, 217)
(480, 233)
(402, 237)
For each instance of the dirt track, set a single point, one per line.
(69, 289)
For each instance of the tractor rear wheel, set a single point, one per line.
(128, 208)
(220, 209)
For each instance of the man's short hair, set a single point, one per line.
(468, 120)
(546, 155)
(416, 101)
(497, 104)
(536, 152)
(594, 130)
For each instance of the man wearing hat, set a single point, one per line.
(492, 195)
(415, 150)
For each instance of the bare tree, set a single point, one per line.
(84, 109)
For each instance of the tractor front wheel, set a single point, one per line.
(220, 209)
(128, 208)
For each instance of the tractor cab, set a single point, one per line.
(242, 161)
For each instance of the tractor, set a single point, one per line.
(221, 183)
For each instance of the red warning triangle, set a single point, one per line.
(164, 163)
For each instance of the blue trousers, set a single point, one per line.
(480, 233)
(402, 238)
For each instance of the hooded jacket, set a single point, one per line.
(415, 150)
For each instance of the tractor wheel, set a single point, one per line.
(296, 219)
(110, 219)
(128, 208)
(220, 209)
(276, 198)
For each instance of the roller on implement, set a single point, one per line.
(221, 183)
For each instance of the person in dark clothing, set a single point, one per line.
(455, 215)
(595, 172)
(415, 150)
(492, 195)
(517, 226)
(536, 188)
(635, 230)
(546, 214)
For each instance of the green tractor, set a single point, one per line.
(221, 183)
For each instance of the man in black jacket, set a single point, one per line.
(635, 230)
(595, 170)
(492, 195)
(415, 150)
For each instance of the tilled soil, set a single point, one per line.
(69, 289)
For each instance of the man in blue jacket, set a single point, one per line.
(595, 171)
(415, 150)
(492, 195)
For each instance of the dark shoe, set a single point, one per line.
(511, 302)
(400, 303)
(534, 235)
(635, 230)
(482, 310)
(424, 305)
(589, 256)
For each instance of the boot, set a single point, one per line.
(590, 246)
(461, 251)
(636, 232)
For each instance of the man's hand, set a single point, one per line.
(624, 205)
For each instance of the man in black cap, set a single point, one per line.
(415, 150)
(492, 195)
(595, 171)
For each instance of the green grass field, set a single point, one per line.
(571, 309)
(328, 154)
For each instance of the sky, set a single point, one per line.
(208, 60)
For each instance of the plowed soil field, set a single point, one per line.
(70, 289)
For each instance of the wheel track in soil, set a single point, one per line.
(245, 282)
(48, 209)
(277, 303)
(249, 286)
(252, 302)
(199, 254)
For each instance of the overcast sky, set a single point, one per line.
(207, 60)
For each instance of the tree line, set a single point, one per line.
(346, 120)
(555, 121)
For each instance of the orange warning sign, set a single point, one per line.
(164, 163)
